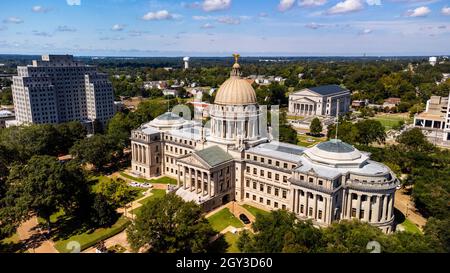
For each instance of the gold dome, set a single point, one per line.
(235, 90)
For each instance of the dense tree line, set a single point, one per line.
(280, 231)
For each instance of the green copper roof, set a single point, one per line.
(214, 156)
(336, 146)
(169, 116)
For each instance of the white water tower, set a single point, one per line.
(432, 60)
(186, 62)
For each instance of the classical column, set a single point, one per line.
(196, 181)
(190, 179)
(384, 208)
(349, 205)
(358, 207)
(368, 207)
(145, 154)
(204, 188)
(316, 203)
(390, 206)
(325, 208)
(184, 178)
(209, 185)
(376, 213)
(307, 204)
(179, 180)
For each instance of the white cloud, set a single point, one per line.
(311, 3)
(373, 2)
(41, 33)
(64, 28)
(445, 10)
(207, 26)
(365, 31)
(13, 20)
(263, 14)
(201, 17)
(346, 6)
(73, 2)
(285, 5)
(418, 12)
(40, 9)
(229, 20)
(159, 15)
(314, 26)
(213, 5)
(117, 27)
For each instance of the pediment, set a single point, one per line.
(194, 160)
(306, 92)
(304, 100)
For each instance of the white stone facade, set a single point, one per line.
(58, 89)
(236, 160)
(320, 101)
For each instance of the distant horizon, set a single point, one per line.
(243, 55)
(140, 28)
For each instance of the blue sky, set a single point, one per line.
(220, 27)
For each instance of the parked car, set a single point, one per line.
(244, 219)
(147, 185)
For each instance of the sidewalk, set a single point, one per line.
(33, 238)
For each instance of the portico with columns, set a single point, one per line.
(206, 177)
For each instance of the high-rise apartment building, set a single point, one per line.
(59, 89)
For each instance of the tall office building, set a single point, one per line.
(58, 89)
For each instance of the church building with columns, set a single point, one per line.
(235, 158)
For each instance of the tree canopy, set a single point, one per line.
(170, 225)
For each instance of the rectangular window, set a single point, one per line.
(261, 172)
(247, 195)
(276, 204)
(302, 208)
(254, 197)
(310, 211)
(269, 190)
(283, 206)
(353, 212)
(284, 194)
(277, 191)
(254, 185)
(261, 187)
(261, 200)
(285, 165)
(277, 163)
(320, 214)
(248, 169)
(268, 202)
(277, 177)
(247, 183)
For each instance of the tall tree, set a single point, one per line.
(170, 225)
(316, 127)
(97, 150)
(44, 186)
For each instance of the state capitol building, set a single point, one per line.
(236, 159)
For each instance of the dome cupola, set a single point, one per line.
(235, 90)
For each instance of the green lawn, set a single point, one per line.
(155, 194)
(254, 211)
(162, 180)
(309, 141)
(53, 218)
(391, 120)
(231, 239)
(223, 219)
(87, 240)
(410, 227)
